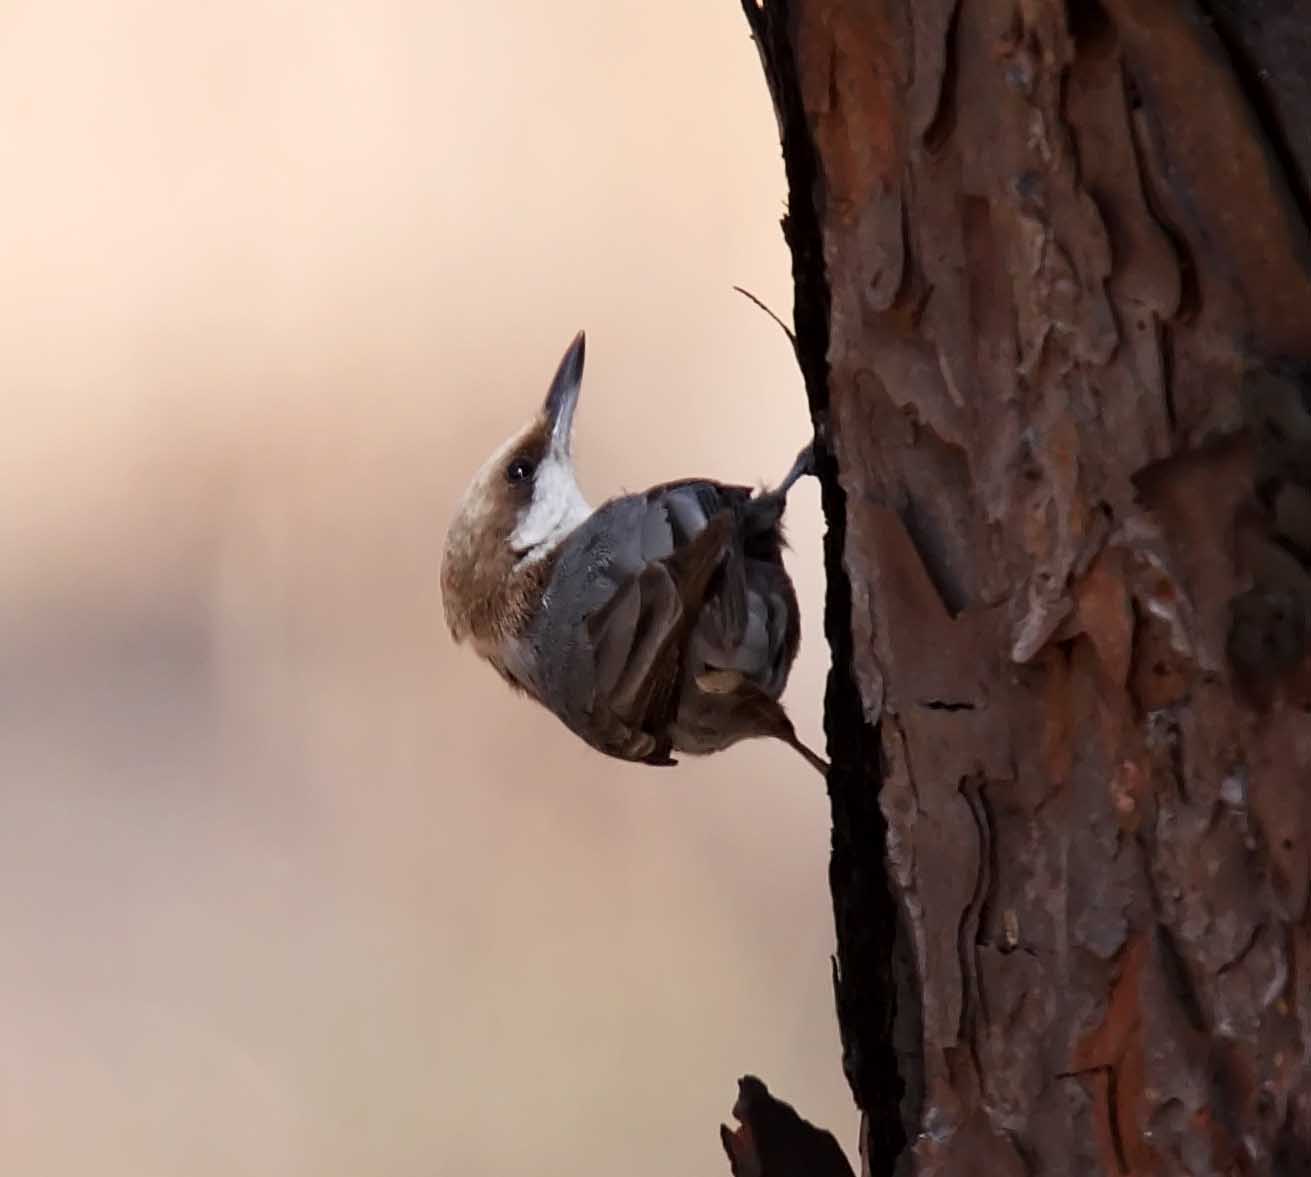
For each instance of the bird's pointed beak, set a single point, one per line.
(562, 398)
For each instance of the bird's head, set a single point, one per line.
(518, 508)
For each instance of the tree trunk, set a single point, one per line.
(1053, 309)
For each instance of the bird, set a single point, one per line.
(662, 621)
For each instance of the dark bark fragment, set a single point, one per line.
(771, 1140)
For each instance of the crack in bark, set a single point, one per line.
(1146, 156)
(943, 123)
(1178, 978)
(1113, 1117)
(1243, 952)
(971, 920)
(1105, 1072)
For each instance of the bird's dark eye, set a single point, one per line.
(519, 470)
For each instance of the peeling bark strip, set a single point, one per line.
(1054, 313)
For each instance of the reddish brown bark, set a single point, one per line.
(1054, 312)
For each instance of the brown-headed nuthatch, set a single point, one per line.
(661, 621)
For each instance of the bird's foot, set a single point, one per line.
(805, 464)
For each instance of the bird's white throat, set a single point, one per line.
(557, 508)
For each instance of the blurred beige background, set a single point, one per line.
(288, 884)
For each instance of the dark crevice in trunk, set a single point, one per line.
(1146, 152)
(943, 124)
(1251, 76)
(865, 910)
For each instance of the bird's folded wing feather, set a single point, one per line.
(638, 639)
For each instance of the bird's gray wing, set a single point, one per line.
(690, 504)
(638, 639)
